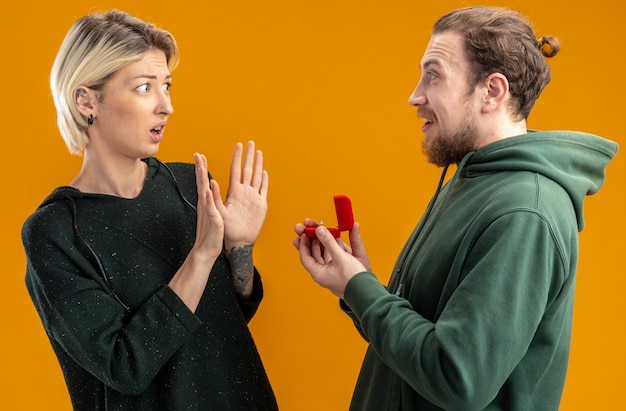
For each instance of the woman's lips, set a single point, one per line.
(157, 134)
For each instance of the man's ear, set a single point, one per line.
(84, 98)
(497, 92)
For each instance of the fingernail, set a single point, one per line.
(321, 231)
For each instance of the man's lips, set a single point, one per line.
(428, 119)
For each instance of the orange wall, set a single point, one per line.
(322, 87)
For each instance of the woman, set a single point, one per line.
(141, 274)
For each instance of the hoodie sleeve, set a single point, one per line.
(462, 360)
(123, 349)
(355, 320)
(250, 306)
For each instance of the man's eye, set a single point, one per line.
(143, 88)
(431, 75)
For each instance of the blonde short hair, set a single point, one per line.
(96, 47)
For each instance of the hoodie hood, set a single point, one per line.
(64, 193)
(576, 161)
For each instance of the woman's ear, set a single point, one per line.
(84, 98)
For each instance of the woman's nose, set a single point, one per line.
(165, 105)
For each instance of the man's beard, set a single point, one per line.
(443, 150)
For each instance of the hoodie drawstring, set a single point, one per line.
(99, 265)
(410, 245)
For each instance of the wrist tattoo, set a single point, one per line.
(240, 260)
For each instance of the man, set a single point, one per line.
(478, 311)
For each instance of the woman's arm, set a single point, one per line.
(191, 279)
(243, 213)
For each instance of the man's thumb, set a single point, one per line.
(327, 240)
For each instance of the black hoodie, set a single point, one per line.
(97, 270)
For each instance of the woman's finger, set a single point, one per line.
(248, 163)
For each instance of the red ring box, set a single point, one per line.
(345, 218)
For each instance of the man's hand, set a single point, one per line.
(331, 262)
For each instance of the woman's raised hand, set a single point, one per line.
(210, 224)
(245, 206)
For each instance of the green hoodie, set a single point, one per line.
(478, 311)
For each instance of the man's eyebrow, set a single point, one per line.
(429, 63)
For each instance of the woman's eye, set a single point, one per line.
(143, 88)
(167, 86)
(431, 75)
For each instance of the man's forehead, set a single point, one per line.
(444, 48)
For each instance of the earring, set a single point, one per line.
(90, 120)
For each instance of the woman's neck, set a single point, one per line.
(122, 178)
